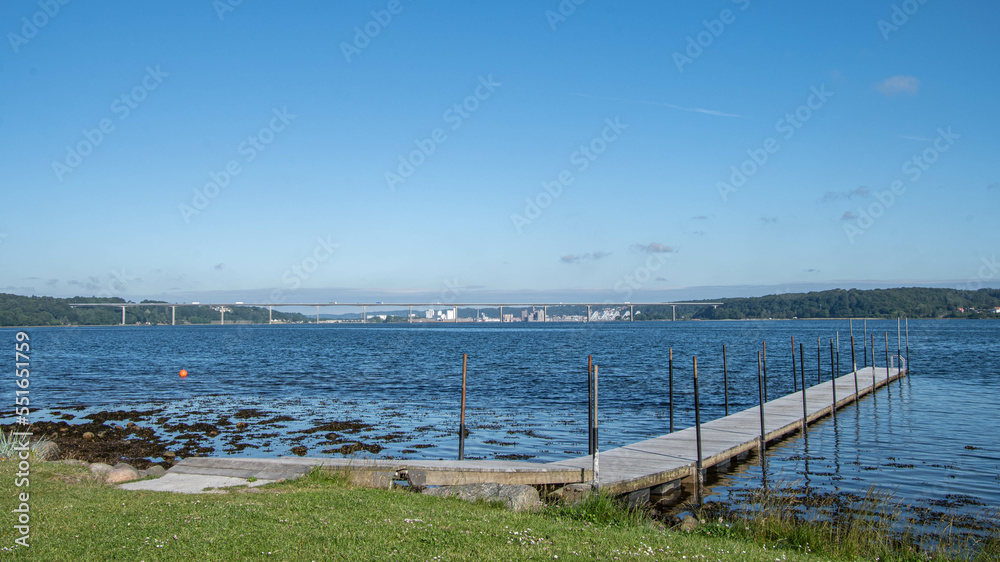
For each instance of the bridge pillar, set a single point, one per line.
(173, 315)
(123, 315)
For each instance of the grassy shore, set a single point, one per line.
(76, 517)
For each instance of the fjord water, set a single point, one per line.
(933, 438)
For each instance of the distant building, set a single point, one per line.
(449, 314)
(429, 314)
(996, 310)
(508, 317)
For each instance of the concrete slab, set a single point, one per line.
(190, 483)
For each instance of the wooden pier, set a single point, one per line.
(653, 468)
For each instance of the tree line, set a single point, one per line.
(17, 310)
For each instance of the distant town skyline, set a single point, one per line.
(394, 150)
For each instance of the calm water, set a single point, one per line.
(933, 439)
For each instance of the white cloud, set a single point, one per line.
(899, 85)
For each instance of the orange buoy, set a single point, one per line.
(184, 373)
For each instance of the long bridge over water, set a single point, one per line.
(364, 306)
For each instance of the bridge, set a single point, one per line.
(410, 305)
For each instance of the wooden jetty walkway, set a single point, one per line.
(653, 468)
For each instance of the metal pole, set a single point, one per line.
(854, 366)
(697, 430)
(461, 423)
(670, 385)
(899, 349)
(765, 370)
(725, 377)
(833, 379)
(588, 313)
(802, 371)
(837, 370)
(874, 380)
(760, 394)
(887, 357)
(590, 404)
(597, 448)
(907, 345)
(865, 343)
(795, 376)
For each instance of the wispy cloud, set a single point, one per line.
(899, 85)
(219, 266)
(700, 218)
(860, 191)
(664, 279)
(848, 216)
(994, 185)
(712, 112)
(589, 256)
(653, 248)
(768, 220)
(811, 270)
(909, 137)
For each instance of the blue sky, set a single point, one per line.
(385, 155)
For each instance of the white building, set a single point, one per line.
(449, 314)
(429, 314)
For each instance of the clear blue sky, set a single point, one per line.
(648, 210)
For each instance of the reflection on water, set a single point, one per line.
(931, 440)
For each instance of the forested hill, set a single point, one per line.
(16, 310)
(913, 302)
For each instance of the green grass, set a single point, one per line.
(74, 517)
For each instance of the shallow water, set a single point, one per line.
(933, 439)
